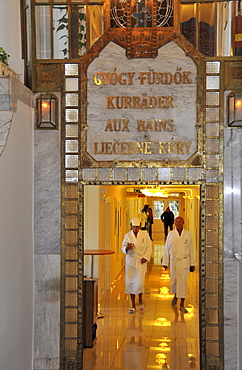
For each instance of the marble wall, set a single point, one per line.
(47, 231)
(47, 247)
(47, 312)
(232, 245)
(47, 191)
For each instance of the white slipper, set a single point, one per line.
(132, 310)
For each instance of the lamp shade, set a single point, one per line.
(46, 111)
(235, 109)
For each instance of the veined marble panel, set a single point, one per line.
(5, 98)
(232, 191)
(5, 124)
(4, 85)
(230, 313)
(232, 244)
(47, 203)
(5, 104)
(123, 112)
(47, 312)
(11, 89)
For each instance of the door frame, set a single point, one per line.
(210, 272)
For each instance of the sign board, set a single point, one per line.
(141, 109)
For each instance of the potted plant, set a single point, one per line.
(4, 56)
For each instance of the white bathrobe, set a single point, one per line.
(135, 272)
(179, 254)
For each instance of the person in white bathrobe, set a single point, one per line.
(137, 246)
(179, 255)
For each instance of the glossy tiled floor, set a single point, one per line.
(160, 337)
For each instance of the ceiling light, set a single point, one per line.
(155, 192)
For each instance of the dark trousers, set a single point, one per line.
(166, 228)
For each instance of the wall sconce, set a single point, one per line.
(47, 111)
(235, 109)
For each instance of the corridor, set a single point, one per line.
(160, 337)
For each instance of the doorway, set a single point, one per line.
(112, 207)
(108, 210)
(209, 256)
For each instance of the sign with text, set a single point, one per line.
(141, 109)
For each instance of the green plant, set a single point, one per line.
(4, 56)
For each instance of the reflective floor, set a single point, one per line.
(160, 337)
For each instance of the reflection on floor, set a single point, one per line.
(160, 337)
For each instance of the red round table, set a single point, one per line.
(96, 252)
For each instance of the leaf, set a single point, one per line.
(61, 27)
(62, 37)
(81, 16)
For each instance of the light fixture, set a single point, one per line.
(235, 109)
(46, 111)
(154, 192)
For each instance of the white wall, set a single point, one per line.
(10, 34)
(91, 225)
(16, 244)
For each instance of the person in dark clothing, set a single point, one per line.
(148, 215)
(167, 218)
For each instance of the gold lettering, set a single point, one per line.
(144, 147)
(119, 101)
(155, 125)
(144, 102)
(109, 126)
(162, 149)
(168, 78)
(96, 148)
(147, 148)
(110, 102)
(143, 76)
(117, 125)
(136, 101)
(128, 102)
(170, 125)
(162, 123)
(187, 145)
(124, 149)
(159, 78)
(131, 148)
(125, 123)
(153, 101)
(149, 125)
(151, 77)
(122, 80)
(105, 75)
(141, 125)
(169, 100)
(108, 148)
(96, 79)
(161, 102)
(131, 77)
(186, 79)
(113, 78)
(179, 147)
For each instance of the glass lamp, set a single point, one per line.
(46, 111)
(235, 109)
